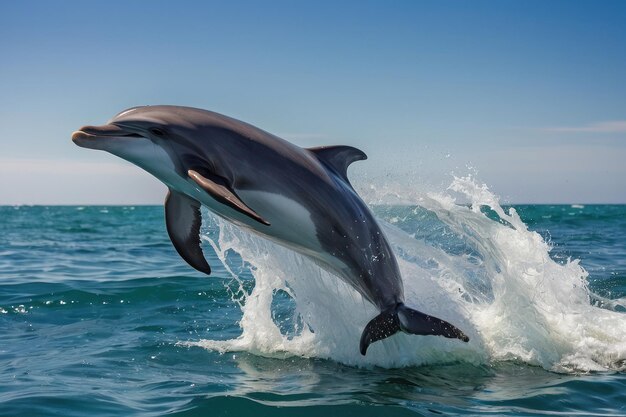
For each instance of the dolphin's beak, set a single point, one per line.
(87, 136)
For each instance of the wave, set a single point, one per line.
(476, 265)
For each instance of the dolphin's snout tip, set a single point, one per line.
(88, 133)
(79, 136)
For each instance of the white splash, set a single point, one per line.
(514, 302)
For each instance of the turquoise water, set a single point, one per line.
(99, 316)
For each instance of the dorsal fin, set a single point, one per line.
(339, 157)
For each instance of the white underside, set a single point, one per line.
(290, 222)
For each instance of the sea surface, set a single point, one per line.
(99, 316)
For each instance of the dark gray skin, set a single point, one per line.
(299, 198)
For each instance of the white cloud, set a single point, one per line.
(540, 174)
(555, 174)
(50, 181)
(616, 126)
(19, 166)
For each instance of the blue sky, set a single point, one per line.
(531, 94)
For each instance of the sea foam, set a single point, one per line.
(483, 271)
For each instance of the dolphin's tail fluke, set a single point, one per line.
(400, 317)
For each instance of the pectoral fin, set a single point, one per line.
(219, 190)
(183, 220)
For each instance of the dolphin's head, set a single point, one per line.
(130, 134)
(149, 136)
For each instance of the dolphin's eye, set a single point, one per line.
(157, 132)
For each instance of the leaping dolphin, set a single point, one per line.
(299, 198)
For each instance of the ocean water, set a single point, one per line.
(99, 316)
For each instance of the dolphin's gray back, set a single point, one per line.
(344, 226)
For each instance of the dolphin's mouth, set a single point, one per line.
(87, 134)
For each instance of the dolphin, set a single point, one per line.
(299, 198)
